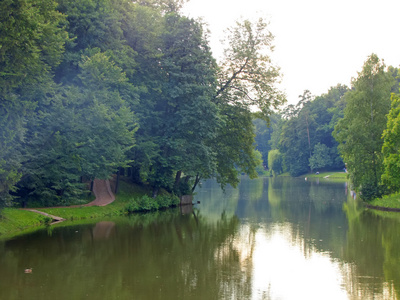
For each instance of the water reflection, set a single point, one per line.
(313, 237)
(283, 271)
(278, 238)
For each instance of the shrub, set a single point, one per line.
(131, 206)
(147, 203)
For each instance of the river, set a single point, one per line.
(271, 238)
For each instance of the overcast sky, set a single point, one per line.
(318, 43)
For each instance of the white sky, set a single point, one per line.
(318, 43)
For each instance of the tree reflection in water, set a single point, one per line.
(278, 238)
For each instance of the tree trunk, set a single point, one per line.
(187, 178)
(155, 191)
(309, 140)
(177, 180)
(117, 182)
(197, 180)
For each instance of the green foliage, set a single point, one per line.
(308, 124)
(234, 145)
(260, 167)
(82, 130)
(275, 162)
(320, 158)
(247, 77)
(391, 146)
(390, 201)
(246, 80)
(147, 203)
(89, 87)
(263, 132)
(31, 44)
(359, 132)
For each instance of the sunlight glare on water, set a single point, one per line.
(281, 270)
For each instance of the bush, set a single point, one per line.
(165, 201)
(370, 190)
(184, 188)
(147, 203)
(132, 206)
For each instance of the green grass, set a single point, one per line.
(390, 201)
(286, 174)
(15, 220)
(330, 175)
(126, 192)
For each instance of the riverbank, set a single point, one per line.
(130, 198)
(330, 175)
(326, 175)
(386, 203)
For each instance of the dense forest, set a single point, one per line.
(90, 88)
(93, 88)
(354, 129)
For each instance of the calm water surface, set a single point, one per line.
(271, 238)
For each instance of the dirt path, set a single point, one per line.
(103, 193)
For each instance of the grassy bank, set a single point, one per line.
(126, 192)
(330, 175)
(389, 201)
(130, 198)
(14, 221)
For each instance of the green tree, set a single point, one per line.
(32, 41)
(90, 24)
(182, 119)
(308, 124)
(275, 161)
(359, 132)
(297, 135)
(247, 81)
(391, 146)
(263, 134)
(321, 157)
(80, 132)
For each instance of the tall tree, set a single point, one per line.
(306, 135)
(183, 118)
(263, 132)
(359, 132)
(391, 146)
(82, 130)
(247, 81)
(275, 162)
(32, 41)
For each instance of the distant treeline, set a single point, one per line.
(92, 87)
(357, 129)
